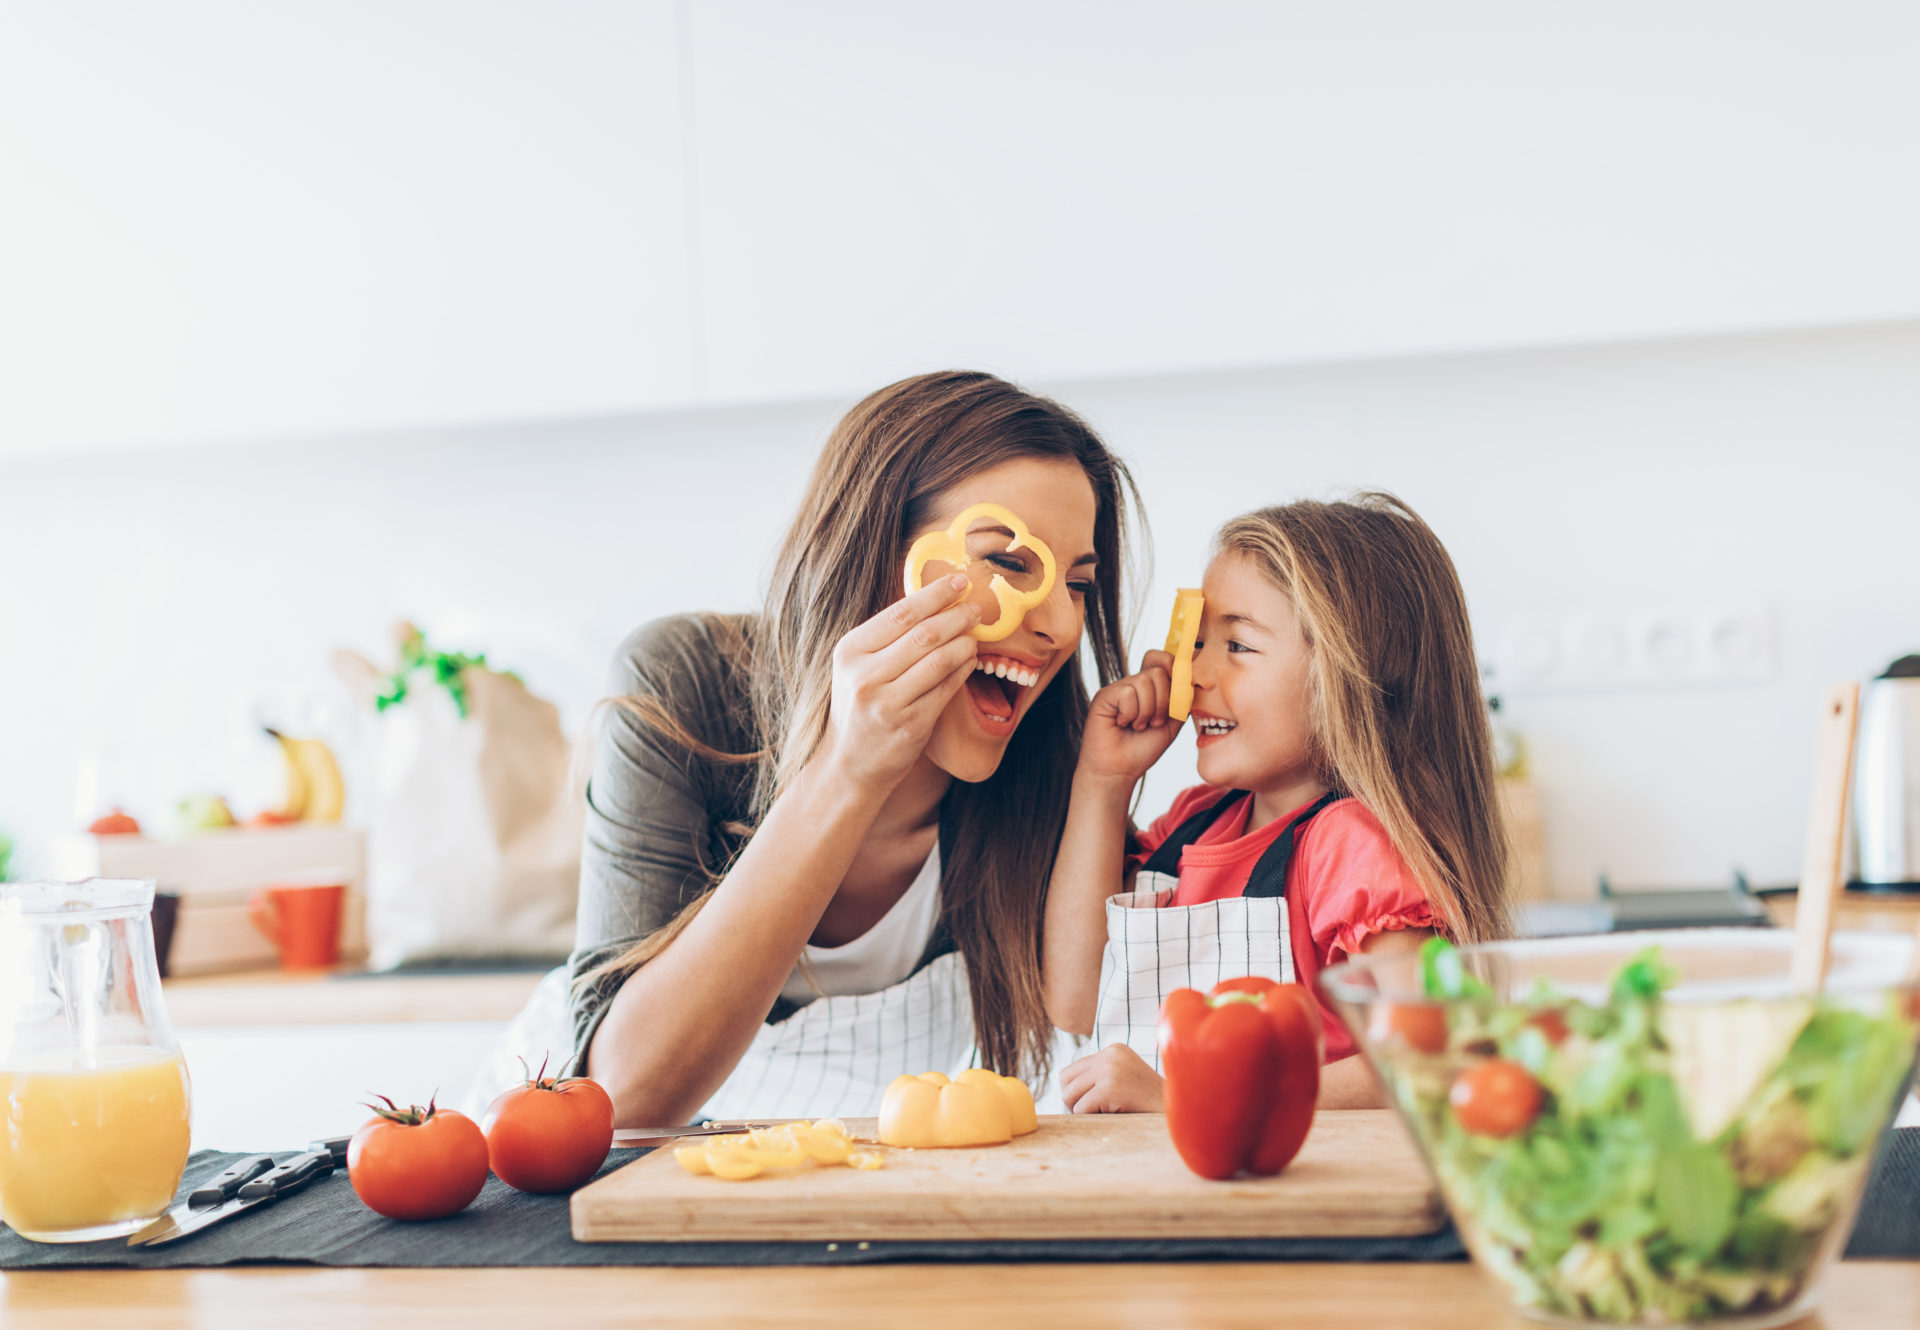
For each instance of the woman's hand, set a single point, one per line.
(893, 676)
(1114, 1080)
(1127, 725)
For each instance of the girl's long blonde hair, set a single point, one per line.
(875, 486)
(1398, 720)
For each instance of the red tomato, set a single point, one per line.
(115, 823)
(1495, 1098)
(549, 1135)
(417, 1163)
(1421, 1026)
(1551, 1022)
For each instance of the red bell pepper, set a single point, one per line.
(1242, 1066)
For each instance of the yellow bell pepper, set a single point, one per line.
(1181, 636)
(977, 1108)
(950, 546)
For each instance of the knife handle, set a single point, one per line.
(290, 1176)
(223, 1187)
(333, 1145)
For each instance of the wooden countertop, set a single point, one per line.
(306, 997)
(1859, 1295)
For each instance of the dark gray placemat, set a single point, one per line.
(327, 1225)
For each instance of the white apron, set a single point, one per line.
(836, 1056)
(1154, 948)
(832, 1058)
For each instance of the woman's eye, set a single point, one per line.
(1080, 588)
(1007, 563)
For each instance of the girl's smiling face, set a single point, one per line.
(1056, 501)
(1253, 688)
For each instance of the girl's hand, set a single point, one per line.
(1127, 725)
(892, 677)
(1114, 1080)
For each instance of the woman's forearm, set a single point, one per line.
(680, 1023)
(1089, 868)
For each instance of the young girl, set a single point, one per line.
(1348, 803)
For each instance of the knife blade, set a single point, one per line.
(265, 1187)
(216, 1190)
(630, 1138)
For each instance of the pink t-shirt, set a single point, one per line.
(1346, 881)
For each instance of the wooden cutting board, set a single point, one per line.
(1093, 1176)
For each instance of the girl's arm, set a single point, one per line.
(1127, 730)
(1350, 1082)
(679, 1024)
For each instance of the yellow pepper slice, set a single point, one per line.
(744, 1155)
(950, 546)
(978, 1108)
(865, 1160)
(1181, 636)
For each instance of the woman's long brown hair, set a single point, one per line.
(876, 485)
(1398, 717)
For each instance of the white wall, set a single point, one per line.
(226, 220)
(150, 599)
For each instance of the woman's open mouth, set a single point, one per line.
(994, 691)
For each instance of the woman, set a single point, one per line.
(818, 837)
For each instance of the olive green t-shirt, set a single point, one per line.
(662, 821)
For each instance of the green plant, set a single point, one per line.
(447, 667)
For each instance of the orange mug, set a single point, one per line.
(302, 920)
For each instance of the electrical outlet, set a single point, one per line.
(1712, 645)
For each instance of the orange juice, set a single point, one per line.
(91, 1150)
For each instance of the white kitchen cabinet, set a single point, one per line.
(226, 220)
(1086, 189)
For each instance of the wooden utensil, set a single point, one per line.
(1087, 1176)
(1820, 877)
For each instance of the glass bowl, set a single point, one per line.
(1646, 1128)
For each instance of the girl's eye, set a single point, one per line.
(1236, 647)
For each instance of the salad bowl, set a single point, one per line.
(1644, 1128)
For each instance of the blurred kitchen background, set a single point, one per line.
(524, 323)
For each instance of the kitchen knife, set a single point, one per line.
(260, 1188)
(215, 1191)
(631, 1138)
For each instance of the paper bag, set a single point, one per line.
(474, 825)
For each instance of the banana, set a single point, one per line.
(315, 792)
(326, 792)
(299, 789)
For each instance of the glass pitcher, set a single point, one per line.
(94, 1095)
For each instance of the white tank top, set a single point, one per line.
(880, 957)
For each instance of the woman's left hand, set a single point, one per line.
(1114, 1080)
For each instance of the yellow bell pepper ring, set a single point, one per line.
(1181, 636)
(950, 546)
(978, 1108)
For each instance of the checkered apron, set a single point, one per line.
(1154, 947)
(836, 1056)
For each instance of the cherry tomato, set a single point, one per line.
(417, 1163)
(1421, 1026)
(1551, 1022)
(548, 1134)
(1495, 1098)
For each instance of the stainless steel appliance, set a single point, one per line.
(1886, 778)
